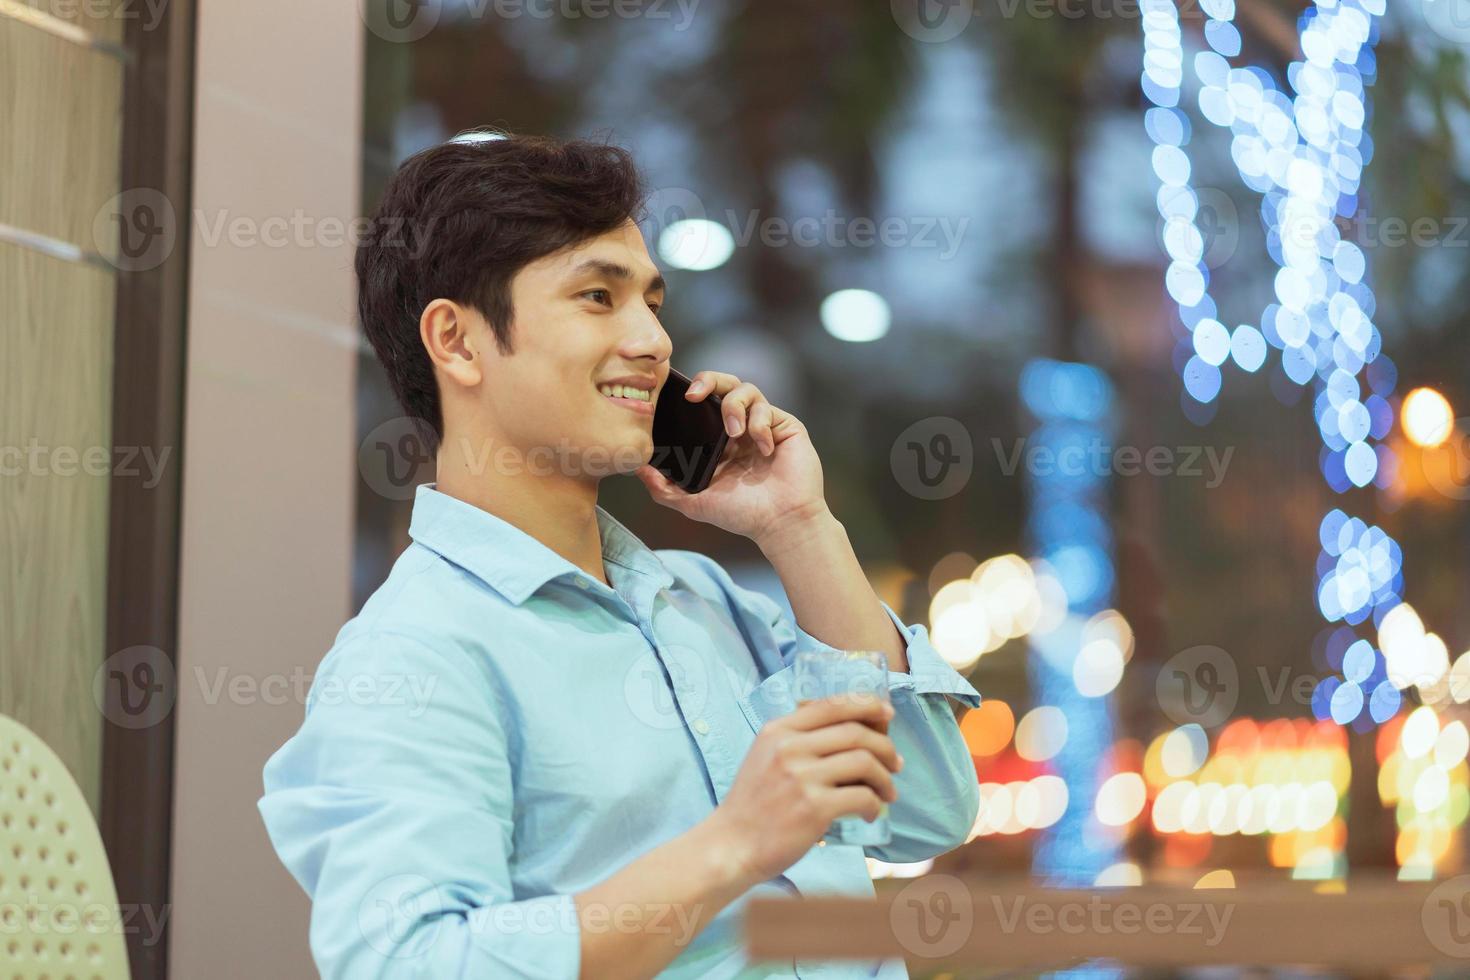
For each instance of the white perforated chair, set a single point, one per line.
(59, 918)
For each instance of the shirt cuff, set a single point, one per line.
(534, 937)
(929, 673)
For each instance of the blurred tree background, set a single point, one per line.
(1028, 126)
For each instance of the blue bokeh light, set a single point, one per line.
(1304, 153)
(1067, 526)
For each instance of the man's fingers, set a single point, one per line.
(759, 424)
(736, 406)
(849, 735)
(706, 383)
(855, 766)
(853, 801)
(745, 409)
(866, 708)
(663, 490)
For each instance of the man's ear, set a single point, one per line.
(448, 333)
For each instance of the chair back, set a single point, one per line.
(58, 906)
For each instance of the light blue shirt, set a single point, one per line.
(497, 731)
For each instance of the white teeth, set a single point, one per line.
(624, 391)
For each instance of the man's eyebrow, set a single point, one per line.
(616, 270)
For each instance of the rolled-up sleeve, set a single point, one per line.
(392, 807)
(939, 794)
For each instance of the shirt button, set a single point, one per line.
(701, 726)
(582, 583)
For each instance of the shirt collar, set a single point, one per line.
(508, 559)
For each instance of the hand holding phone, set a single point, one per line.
(688, 437)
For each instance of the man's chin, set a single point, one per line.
(611, 459)
(637, 454)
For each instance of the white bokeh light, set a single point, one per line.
(696, 244)
(856, 315)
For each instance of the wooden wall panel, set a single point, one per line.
(105, 19)
(61, 113)
(55, 405)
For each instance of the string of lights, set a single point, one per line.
(1305, 154)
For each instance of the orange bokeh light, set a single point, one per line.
(1426, 417)
(988, 728)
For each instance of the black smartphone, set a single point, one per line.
(688, 437)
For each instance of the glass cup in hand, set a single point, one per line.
(833, 673)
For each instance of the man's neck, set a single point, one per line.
(557, 509)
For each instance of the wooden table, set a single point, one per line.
(1367, 926)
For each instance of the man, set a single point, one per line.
(543, 749)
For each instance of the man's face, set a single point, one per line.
(585, 319)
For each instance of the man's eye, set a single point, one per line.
(607, 296)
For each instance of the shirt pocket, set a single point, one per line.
(769, 700)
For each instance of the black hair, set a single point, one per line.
(459, 220)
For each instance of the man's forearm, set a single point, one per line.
(637, 921)
(829, 593)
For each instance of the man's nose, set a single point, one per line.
(648, 339)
